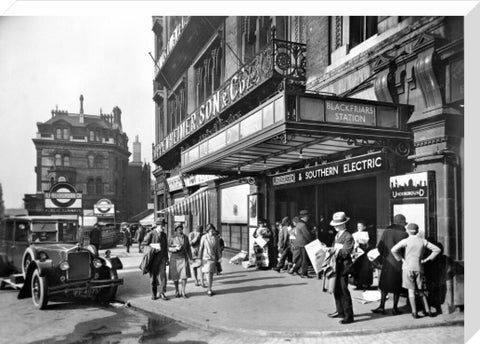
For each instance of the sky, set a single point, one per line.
(50, 61)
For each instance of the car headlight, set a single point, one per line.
(64, 265)
(42, 256)
(97, 263)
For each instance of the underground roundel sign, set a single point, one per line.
(104, 207)
(63, 198)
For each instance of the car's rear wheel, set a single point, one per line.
(39, 290)
(106, 295)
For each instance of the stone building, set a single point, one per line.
(265, 116)
(87, 151)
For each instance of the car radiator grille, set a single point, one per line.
(79, 265)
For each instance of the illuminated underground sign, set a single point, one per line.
(358, 165)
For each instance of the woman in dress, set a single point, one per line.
(262, 247)
(181, 254)
(195, 238)
(362, 268)
(210, 254)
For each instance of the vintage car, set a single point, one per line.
(45, 250)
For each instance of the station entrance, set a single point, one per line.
(357, 198)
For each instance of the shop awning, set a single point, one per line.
(194, 204)
(148, 220)
(291, 129)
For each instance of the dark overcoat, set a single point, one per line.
(391, 274)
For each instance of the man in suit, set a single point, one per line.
(342, 249)
(156, 239)
(303, 237)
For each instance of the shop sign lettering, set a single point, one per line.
(349, 113)
(359, 165)
(174, 183)
(412, 185)
(240, 84)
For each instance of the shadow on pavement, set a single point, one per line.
(255, 288)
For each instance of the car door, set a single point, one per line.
(20, 243)
(8, 243)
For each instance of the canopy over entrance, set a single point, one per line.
(293, 128)
(194, 204)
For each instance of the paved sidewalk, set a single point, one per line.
(266, 303)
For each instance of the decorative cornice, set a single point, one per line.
(431, 141)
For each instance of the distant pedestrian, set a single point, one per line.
(303, 237)
(95, 237)
(410, 251)
(209, 252)
(140, 235)
(284, 245)
(195, 238)
(181, 255)
(221, 246)
(362, 272)
(127, 238)
(156, 240)
(391, 273)
(262, 247)
(342, 249)
(295, 252)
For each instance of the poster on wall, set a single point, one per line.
(234, 204)
(413, 195)
(414, 213)
(252, 210)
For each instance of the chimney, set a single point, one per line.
(81, 119)
(137, 151)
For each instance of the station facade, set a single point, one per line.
(261, 117)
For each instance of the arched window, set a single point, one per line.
(58, 159)
(90, 186)
(66, 160)
(91, 160)
(98, 161)
(98, 186)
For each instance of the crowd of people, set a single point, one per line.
(399, 260)
(199, 252)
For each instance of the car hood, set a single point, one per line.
(54, 246)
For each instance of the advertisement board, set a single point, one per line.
(63, 198)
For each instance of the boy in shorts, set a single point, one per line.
(413, 279)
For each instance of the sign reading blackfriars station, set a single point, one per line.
(354, 166)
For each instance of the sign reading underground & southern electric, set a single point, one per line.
(349, 167)
(349, 113)
(63, 198)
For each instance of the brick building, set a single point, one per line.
(87, 151)
(265, 116)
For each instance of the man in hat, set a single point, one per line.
(411, 251)
(95, 237)
(343, 247)
(391, 274)
(156, 239)
(303, 237)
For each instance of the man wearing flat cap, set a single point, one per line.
(303, 237)
(342, 249)
(156, 239)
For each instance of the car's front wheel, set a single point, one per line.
(106, 295)
(39, 290)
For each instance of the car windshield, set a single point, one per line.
(68, 231)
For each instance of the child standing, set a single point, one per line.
(413, 278)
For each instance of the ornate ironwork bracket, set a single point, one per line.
(402, 148)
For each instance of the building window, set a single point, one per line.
(98, 186)
(98, 161)
(208, 72)
(176, 107)
(66, 160)
(66, 134)
(90, 186)
(58, 159)
(59, 134)
(255, 36)
(91, 160)
(361, 28)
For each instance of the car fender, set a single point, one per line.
(114, 263)
(44, 269)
